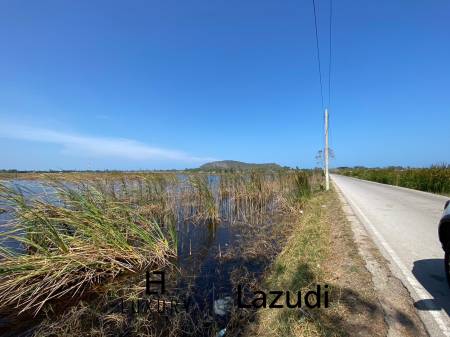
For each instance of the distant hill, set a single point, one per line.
(238, 165)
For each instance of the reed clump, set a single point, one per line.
(85, 239)
(260, 195)
(302, 187)
(205, 203)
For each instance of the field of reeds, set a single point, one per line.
(87, 240)
(435, 179)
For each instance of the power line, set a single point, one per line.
(329, 61)
(326, 149)
(318, 52)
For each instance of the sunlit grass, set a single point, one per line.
(435, 179)
(68, 248)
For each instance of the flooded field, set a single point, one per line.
(78, 254)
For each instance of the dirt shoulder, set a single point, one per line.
(325, 248)
(395, 300)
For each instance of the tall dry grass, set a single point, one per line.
(102, 226)
(67, 248)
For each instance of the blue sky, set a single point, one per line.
(173, 84)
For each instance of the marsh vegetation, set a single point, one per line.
(76, 249)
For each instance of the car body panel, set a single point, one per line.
(444, 227)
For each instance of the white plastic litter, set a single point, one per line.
(222, 305)
(221, 333)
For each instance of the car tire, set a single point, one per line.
(447, 266)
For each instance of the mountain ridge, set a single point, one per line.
(237, 165)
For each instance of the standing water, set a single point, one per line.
(232, 244)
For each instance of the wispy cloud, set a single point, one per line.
(77, 144)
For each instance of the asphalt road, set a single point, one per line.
(403, 224)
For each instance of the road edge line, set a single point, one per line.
(420, 292)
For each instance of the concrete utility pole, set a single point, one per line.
(327, 177)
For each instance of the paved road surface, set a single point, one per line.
(403, 223)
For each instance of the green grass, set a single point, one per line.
(435, 179)
(321, 250)
(298, 267)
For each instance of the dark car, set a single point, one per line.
(444, 237)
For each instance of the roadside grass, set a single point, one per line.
(321, 251)
(435, 179)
